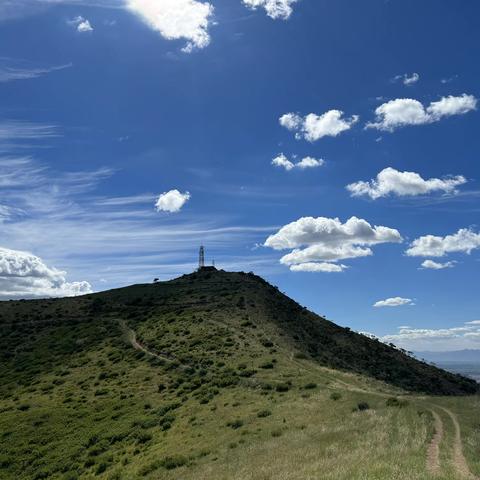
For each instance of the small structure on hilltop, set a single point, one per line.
(201, 262)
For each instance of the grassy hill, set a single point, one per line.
(213, 375)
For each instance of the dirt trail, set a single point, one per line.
(132, 339)
(459, 461)
(433, 453)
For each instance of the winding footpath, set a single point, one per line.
(132, 339)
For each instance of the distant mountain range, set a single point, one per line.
(457, 356)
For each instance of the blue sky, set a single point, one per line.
(105, 105)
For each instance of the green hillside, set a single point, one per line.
(216, 375)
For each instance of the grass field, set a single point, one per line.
(218, 392)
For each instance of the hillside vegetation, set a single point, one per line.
(214, 375)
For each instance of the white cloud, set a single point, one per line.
(177, 19)
(407, 111)
(313, 127)
(11, 70)
(81, 24)
(473, 322)
(16, 130)
(84, 26)
(318, 267)
(393, 182)
(23, 275)
(394, 302)
(307, 162)
(408, 79)
(442, 339)
(328, 240)
(431, 265)
(464, 241)
(172, 201)
(275, 8)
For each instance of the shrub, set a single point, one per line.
(143, 438)
(277, 433)
(173, 462)
(395, 402)
(101, 468)
(362, 406)
(235, 424)
(264, 413)
(301, 356)
(267, 366)
(335, 396)
(310, 386)
(282, 387)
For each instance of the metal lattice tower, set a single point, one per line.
(201, 257)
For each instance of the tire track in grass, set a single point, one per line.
(459, 461)
(433, 452)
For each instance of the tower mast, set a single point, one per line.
(201, 258)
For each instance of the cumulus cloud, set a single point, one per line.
(81, 24)
(318, 267)
(464, 241)
(307, 162)
(394, 302)
(431, 265)
(172, 201)
(23, 275)
(393, 182)
(466, 336)
(313, 127)
(407, 111)
(328, 240)
(177, 19)
(275, 8)
(407, 79)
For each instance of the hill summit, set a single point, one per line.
(127, 382)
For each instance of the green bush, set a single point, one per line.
(335, 396)
(310, 386)
(235, 424)
(282, 387)
(101, 468)
(362, 406)
(173, 462)
(264, 413)
(395, 402)
(143, 437)
(267, 366)
(5, 461)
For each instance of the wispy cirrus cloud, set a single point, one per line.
(18, 130)
(12, 70)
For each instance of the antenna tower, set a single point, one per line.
(201, 258)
